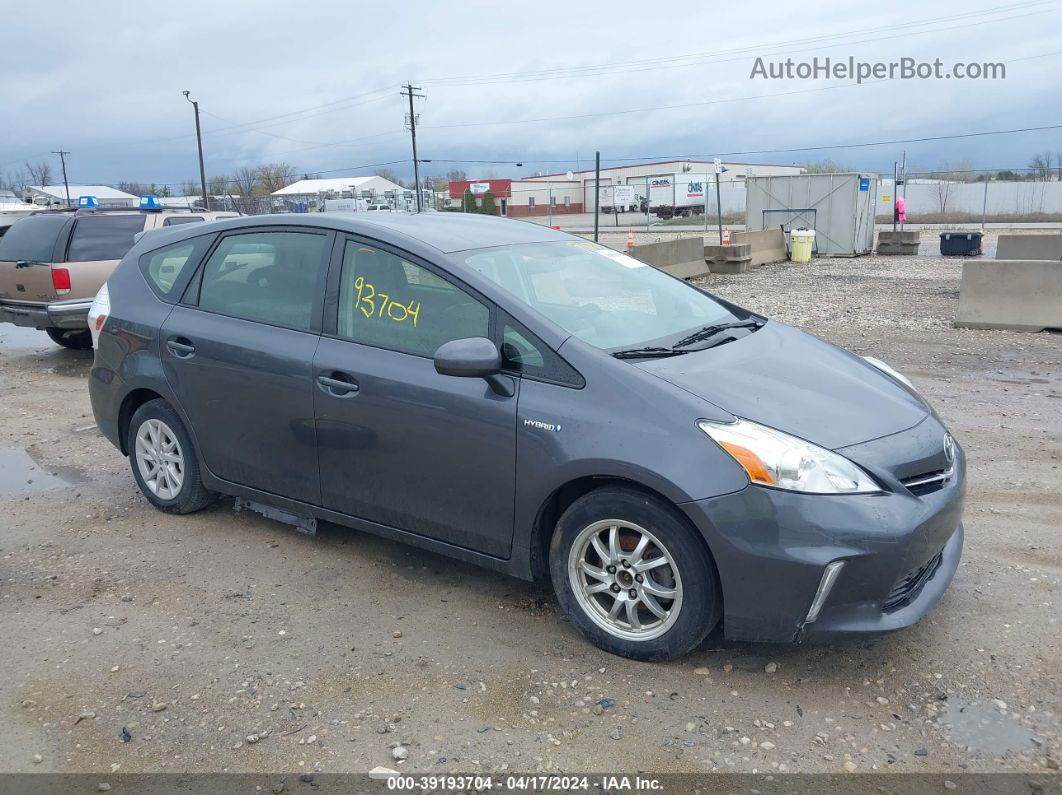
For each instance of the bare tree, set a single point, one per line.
(189, 187)
(274, 176)
(245, 180)
(40, 173)
(455, 175)
(218, 186)
(826, 166)
(135, 188)
(388, 174)
(16, 181)
(1041, 166)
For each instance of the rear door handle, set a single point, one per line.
(180, 347)
(345, 386)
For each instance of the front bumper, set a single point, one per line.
(71, 314)
(900, 550)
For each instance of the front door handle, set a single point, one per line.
(180, 347)
(343, 386)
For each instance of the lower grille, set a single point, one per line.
(905, 591)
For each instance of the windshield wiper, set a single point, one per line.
(711, 331)
(646, 353)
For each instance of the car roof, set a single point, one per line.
(447, 232)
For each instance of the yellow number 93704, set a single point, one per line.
(375, 304)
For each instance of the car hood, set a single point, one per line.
(794, 382)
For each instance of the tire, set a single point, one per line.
(176, 486)
(688, 574)
(74, 340)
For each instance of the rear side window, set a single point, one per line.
(272, 277)
(103, 237)
(177, 220)
(32, 239)
(164, 267)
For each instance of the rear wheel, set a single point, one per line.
(73, 339)
(633, 576)
(163, 460)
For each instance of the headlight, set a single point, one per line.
(776, 459)
(889, 371)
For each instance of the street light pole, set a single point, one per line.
(62, 159)
(199, 144)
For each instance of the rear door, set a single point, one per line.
(97, 243)
(238, 352)
(26, 254)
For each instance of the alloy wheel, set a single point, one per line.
(625, 579)
(160, 459)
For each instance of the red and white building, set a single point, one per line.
(519, 198)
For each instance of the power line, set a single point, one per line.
(716, 56)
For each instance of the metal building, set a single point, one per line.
(839, 207)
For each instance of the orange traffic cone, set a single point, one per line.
(726, 235)
(630, 238)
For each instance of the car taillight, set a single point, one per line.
(98, 313)
(61, 280)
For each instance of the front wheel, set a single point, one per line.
(632, 575)
(163, 460)
(75, 340)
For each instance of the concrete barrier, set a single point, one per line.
(903, 243)
(682, 257)
(768, 245)
(1021, 295)
(729, 259)
(1029, 247)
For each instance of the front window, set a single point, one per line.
(388, 302)
(601, 296)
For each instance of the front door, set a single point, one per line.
(399, 444)
(237, 355)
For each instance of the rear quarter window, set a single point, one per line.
(32, 239)
(167, 269)
(103, 237)
(177, 220)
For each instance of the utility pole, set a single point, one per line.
(199, 143)
(409, 92)
(62, 159)
(597, 192)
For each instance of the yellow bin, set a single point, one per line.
(801, 242)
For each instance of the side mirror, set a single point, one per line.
(473, 357)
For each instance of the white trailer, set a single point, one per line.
(677, 194)
(618, 198)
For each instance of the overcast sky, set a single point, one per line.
(316, 84)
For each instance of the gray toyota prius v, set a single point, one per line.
(527, 400)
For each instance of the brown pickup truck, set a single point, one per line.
(53, 263)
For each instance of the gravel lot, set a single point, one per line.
(225, 641)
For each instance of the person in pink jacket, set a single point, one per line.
(901, 209)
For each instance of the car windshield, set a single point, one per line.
(601, 296)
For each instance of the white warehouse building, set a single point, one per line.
(371, 190)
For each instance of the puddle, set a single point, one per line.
(20, 474)
(983, 727)
(17, 337)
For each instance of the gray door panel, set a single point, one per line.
(409, 448)
(246, 389)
